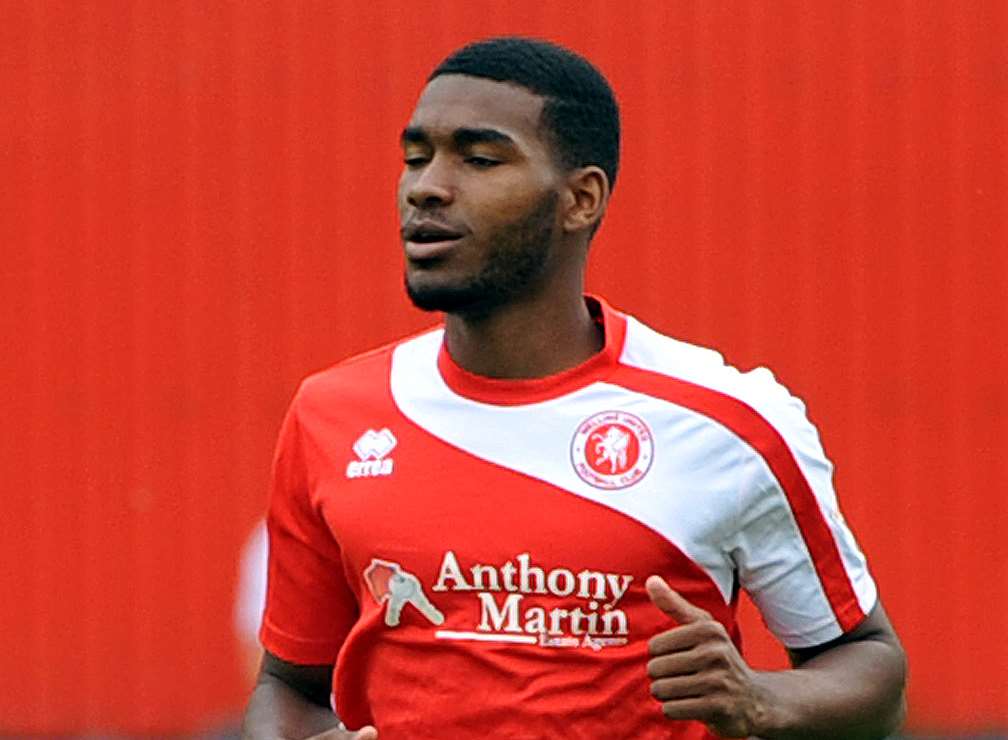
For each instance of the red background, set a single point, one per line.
(197, 210)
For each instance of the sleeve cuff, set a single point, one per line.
(298, 650)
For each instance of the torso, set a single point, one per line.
(529, 516)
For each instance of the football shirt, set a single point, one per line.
(471, 553)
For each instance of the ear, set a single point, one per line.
(585, 198)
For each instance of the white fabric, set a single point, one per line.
(774, 565)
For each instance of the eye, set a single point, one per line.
(415, 161)
(482, 162)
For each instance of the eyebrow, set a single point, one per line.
(461, 137)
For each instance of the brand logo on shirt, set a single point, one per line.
(390, 584)
(372, 448)
(611, 450)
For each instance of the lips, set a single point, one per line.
(427, 239)
(428, 231)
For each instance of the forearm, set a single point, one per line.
(851, 692)
(278, 711)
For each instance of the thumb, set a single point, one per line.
(670, 602)
(366, 733)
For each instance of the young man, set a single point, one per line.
(534, 521)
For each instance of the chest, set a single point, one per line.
(576, 507)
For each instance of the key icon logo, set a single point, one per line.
(388, 582)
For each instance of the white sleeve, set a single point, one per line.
(794, 554)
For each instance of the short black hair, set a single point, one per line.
(580, 111)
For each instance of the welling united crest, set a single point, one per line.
(612, 450)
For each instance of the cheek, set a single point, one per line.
(504, 201)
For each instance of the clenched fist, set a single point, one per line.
(697, 672)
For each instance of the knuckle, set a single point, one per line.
(704, 630)
(707, 656)
(712, 629)
(724, 708)
(721, 682)
(720, 655)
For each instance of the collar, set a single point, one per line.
(516, 392)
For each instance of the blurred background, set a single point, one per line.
(197, 210)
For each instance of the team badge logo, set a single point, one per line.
(612, 450)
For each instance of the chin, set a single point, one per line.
(469, 298)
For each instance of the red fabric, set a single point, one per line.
(304, 562)
(404, 679)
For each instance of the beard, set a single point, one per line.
(516, 258)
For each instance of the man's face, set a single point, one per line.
(477, 195)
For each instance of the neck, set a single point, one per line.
(532, 338)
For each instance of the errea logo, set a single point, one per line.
(372, 448)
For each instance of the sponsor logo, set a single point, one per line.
(503, 591)
(390, 584)
(612, 450)
(517, 602)
(372, 449)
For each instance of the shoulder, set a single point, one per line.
(752, 404)
(356, 378)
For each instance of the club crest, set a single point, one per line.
(612, 450)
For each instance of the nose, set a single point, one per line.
(430, 186)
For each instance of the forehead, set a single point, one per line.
(450, 102)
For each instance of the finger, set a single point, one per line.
(679, 639)
(680, 687)
(366, 733)
(672, 603)
(678, 664)
(701, 708)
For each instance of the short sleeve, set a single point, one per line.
(794, 553)
(309, 607)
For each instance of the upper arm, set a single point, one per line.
(310, 607)
(290, 700)
(875, 627)
(314, 682)
(793, 551)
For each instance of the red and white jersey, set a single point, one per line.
(471, 553)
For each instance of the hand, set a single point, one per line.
(342, 733)
(696, 671)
